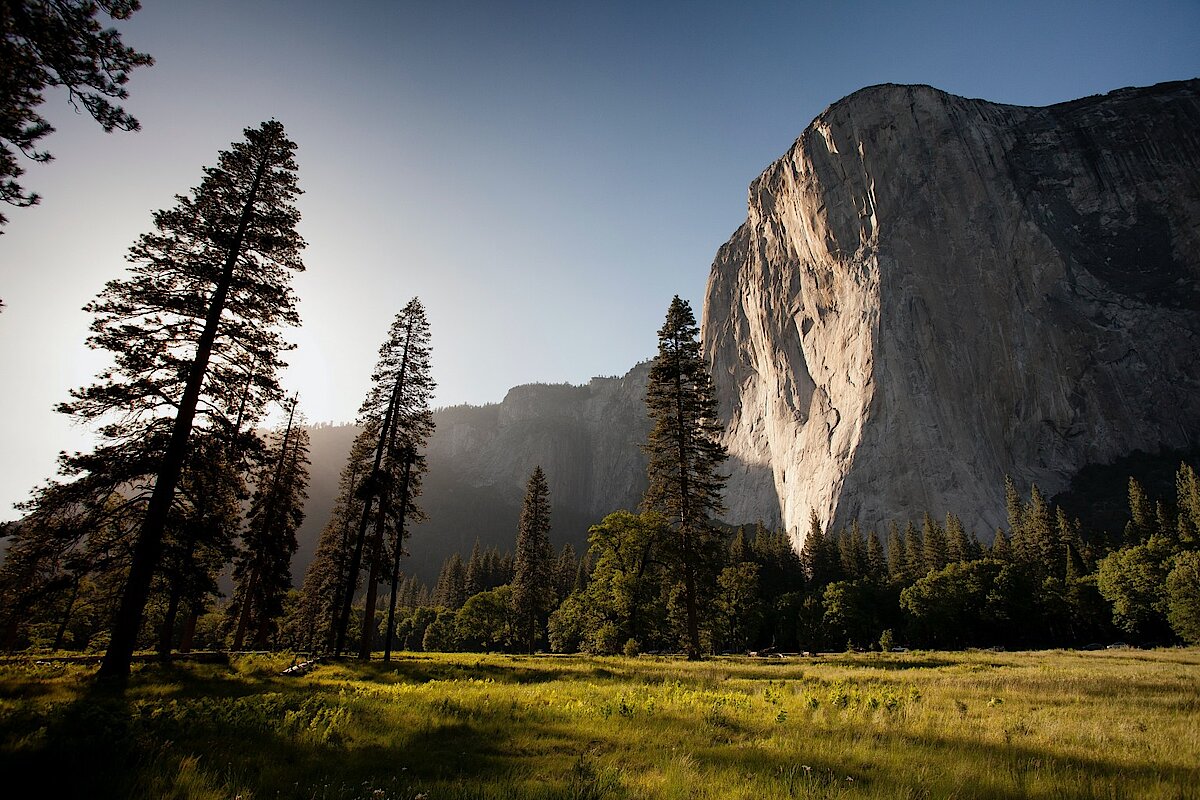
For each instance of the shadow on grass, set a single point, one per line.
(174, 733)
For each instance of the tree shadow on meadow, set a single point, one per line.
(171, 732)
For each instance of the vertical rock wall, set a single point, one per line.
(931, 292)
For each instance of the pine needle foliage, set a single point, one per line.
(684, 450)
(263, 570)
(532, 586)
(60, 43)
(194, 331)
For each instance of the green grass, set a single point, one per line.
(1108, 724)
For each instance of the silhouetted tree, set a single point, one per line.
(327, 579)
(262, 570)
(684, 450)
(396, 409)
(59, 43)
(531, 586)
(200, 310)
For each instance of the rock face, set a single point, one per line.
(586, 438)
(931, 292)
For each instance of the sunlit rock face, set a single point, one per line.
(931, 292)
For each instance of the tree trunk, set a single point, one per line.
(360, 539)
(389, 422)
(368, 622)
(167, 632)
(66, 619)
(391, 624)
(149, 543)
(189, 631)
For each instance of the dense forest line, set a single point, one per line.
(1042, 582)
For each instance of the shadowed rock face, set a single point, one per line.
(586, 438)
(931, 292)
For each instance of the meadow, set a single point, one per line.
(1060, 724)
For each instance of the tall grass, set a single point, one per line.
(1109, 724)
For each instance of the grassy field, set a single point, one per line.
(1108, 724)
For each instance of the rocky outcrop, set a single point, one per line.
(932, 292)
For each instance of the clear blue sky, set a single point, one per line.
(544, 175)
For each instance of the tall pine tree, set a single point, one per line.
(533, 566)
(205, 297)
(397, 410)
(263, 568)
(685, 454)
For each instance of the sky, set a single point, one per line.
(545, 176)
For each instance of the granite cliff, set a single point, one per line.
(931, 292)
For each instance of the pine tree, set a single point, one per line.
(1040, 541)
(450, 591)
(327, 578)
(206, 294)
(565, 567)
(475, 578)
(396, 409)
(958, 544)
(813, 558)
(684, 451)
(1001, 548)
(58, 43)
(532, 589)
(1141, 515)
(895, 552)
(934, 541)
(1187, 501)
(877, 566)
(199, 538)
(263, 568)
(914, 555)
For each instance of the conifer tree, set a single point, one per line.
(914, 554)
(895, 552)
(531, 584)
(1001, 548)
(262, 570)
(1187, 501)
(565, 568)
(450, 591)
(327, 578)
(205, 296)
(877, 566)
(1141, 513)
(934, 542)
(475, 576)
(958, 545)
(60, 43)
(684, 451)
(396, 409)
(1039, 544)
(813, 558)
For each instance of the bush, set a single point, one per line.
(1183, 597)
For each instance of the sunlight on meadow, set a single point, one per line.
(1108, 724)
